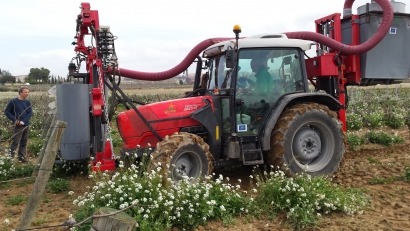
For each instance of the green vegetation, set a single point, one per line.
(16, 200)
(42, 221)
(384, 138)
(70, 168)
(35, 145)
(305, 199)
(373, 160)
(375, 119)
(355, 141)
(407, 174)
(58, 185)
(382, 180)
(10, 170)
(158, 204)
(354, 121)
(375, 137)
(375, 107)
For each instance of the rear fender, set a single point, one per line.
(292, 99)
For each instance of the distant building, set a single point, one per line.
(185, 79)
(21, 78)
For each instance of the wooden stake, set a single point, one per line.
(43, 175)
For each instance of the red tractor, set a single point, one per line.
(255, 100)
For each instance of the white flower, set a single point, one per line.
(6, 222)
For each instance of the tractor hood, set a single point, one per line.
(173, 108)
(166, 118)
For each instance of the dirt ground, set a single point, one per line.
(389, 208)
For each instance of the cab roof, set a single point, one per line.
(258, 41)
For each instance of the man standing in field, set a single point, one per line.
(19, 111)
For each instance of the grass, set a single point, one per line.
(41, 221)
(58, 185)
(16, 200)
(372, 160)
(407, 174)
(382, 180)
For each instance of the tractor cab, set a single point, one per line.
(247, 79)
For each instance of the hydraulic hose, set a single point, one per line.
(349, 49)
(185, 63)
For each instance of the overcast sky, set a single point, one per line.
(153, 35)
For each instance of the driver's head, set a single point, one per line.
(257, 63)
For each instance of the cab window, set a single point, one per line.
(220, 76)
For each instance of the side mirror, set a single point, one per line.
(231, 57)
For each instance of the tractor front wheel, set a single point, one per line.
(183, 156)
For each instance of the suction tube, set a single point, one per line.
(185, 63)
(305, 35)
(348, 49)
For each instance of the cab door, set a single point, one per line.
(220, 85)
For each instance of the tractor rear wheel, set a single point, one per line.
(307, 137)
(183, 155)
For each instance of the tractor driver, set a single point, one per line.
(257, 102)
(264, 80)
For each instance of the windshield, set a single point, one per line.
(267, 68)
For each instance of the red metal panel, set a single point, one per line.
(103, 160)
(321, 66)
(97, 102)
(353, 73)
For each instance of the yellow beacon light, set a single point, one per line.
(237, 29)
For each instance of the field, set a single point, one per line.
(380, 167)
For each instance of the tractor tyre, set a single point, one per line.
(183, 155)
(307, 138)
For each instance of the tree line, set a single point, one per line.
(35, 76)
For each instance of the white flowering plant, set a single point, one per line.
(375, 107)
(159, 204)
(10, 170)
(304, 198)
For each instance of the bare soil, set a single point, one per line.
(389, 208)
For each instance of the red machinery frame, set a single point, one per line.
(329, 63)
(88, 24)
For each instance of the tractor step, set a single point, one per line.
(252, 157)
